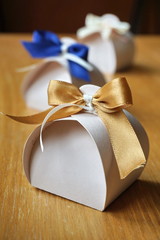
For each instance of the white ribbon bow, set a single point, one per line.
(105, 25)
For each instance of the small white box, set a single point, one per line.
(78, 162)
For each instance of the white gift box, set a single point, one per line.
(78, 162)
(113, 54)
(35, 84)
(110, 52)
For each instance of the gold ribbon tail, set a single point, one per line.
(30, 119)
(126, 147)
(39, 117)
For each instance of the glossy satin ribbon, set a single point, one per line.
(108, 103)
(105, 25)
(47, 45)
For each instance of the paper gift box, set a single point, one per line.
(78, 162)
(35, 83)
(110, 42)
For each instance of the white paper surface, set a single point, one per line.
(112, 54)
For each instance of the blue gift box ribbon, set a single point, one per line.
(47, 44)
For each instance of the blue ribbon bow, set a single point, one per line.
(47, 44)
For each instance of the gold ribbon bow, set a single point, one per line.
(108, 103)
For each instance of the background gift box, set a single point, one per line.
(62, 59)
(110, 42)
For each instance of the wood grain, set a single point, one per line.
(28, 213)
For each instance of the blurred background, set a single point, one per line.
(68, 15)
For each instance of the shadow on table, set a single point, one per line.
(142, 192)
(140, 69)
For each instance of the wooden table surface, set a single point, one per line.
(29, 213)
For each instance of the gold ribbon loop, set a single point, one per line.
(113, 96)
(63, 92)
(108, 102)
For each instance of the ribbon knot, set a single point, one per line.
(88, 100)
(108, 103)
(47, 45)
